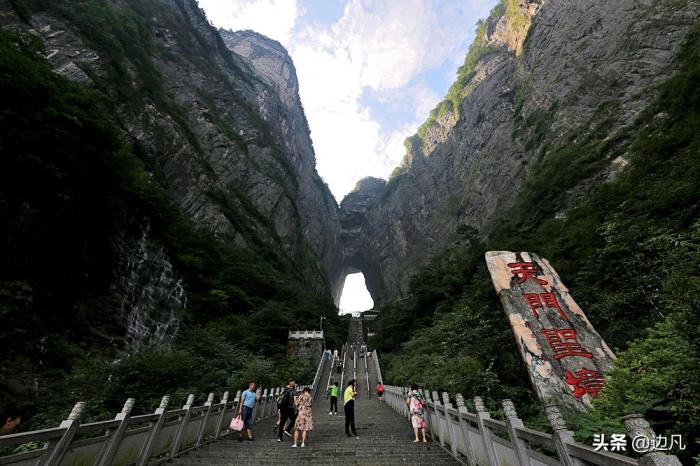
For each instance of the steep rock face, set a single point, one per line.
(546, 72)
(219, 124)
(317, 208)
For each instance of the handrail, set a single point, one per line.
(152, 438)
(375, 356)
(354, 363)
(364, 356)
(330, 375)
(317, 377)
(472, 436)
(342, 371)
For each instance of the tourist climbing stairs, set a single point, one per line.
(384, 435)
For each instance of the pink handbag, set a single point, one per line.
(236, 424)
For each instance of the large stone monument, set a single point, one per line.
(305, 344)
(566, 357)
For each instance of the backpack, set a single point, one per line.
(285, 400)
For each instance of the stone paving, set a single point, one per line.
(384, 438)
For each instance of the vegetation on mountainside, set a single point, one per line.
(517, 21)
(70, 185)
(455, 94)
(629, 251)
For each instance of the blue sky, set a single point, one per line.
(369, 73)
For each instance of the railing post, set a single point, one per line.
(354, 363)
(71, 425)
(398, 400)
(258, 394)
(448, 404)
(404, 409)
(236, 402)
(513, 421)
(485, 432)
(428, 416)
(220, 422)
(562, 436)
(637, 426)
(155, 430)
(468, 447)
(116, 438)
(270, 402)
(205, 417)
(264, 401)
(183, 423)
(436, 405)
(364, 356)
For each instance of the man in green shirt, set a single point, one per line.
(349, 406)
(333, 388)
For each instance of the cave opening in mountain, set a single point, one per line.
(355, 296)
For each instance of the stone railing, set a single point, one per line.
(477, 439)
(375, 358)
(333, 371)
(325, 358)
(130, 439)
(354, 363)
(342, 372)
(142, 439)
(305, 334)
(364, 357)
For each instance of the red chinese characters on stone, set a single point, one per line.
(585, 381)
(525, 271)
(564, 343)
(540, 300)
(533, 300)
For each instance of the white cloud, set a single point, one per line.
(382, 46)
(377, 45)
(274, 18)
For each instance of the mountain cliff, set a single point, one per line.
(158, 182)
(162, 215)
(540, 76)
(573, 132)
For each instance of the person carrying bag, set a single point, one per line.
(236, 424)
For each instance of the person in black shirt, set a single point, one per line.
(287, 413)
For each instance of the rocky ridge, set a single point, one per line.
(225, 127)
(218, 122)
(547, 72)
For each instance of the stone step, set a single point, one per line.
(292, 458)
(385, 436)
(322, 450)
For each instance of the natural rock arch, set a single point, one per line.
(355, 252)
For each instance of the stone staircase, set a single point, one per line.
(355, 336)
(384, 437)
